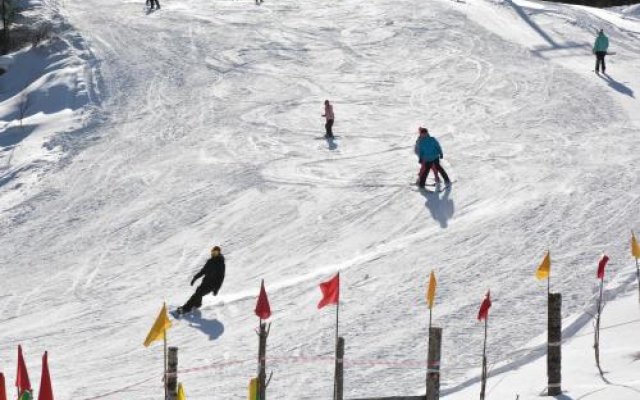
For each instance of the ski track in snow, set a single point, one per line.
(212, 111)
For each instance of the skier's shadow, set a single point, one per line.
(618, 86)
(331, 143)
(212, 327)
(440, 205)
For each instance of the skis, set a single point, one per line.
(432, 187)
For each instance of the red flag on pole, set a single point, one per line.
(22, 376)
(263, 309)
(330, 291)
(601, 265)
(3, 388)
(484, 307)
(46, 392)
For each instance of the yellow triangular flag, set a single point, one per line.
(431, 291)
(159, 327)
(545, 268)
(181, 395)
(635, 248)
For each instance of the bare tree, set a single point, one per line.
(5, 27)
(23, 106)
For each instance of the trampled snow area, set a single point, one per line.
(619, 359)
(211, 134)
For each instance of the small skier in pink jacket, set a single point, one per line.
(328, 114)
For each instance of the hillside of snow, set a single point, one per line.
(619, 357)
(207, 130)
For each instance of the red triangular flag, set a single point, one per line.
(22, 376)
(603, 263)
(3, 388)
(484, 307)
(46, 393)
(263, 309)
(330, 291)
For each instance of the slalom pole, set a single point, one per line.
(596, 344)
(484, 360)
(335, 372)
(638, 276)
(165, 365)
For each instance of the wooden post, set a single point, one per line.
(172, 373)
(554, 345)
(262, 362)
(433, 364)
(339, 395)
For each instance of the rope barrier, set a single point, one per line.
(121, 390)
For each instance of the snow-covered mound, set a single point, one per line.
(212, 135)
(47, 94)
(619, 357)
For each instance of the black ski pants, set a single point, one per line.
(426, 167)
(195, 301)
(328, 127)
(156, 2)
(600, 60)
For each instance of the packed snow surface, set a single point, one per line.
(210, 133)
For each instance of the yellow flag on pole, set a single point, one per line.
(159, 327)
(545, 268)
(431, 291)
(181, 395)
(635, 248)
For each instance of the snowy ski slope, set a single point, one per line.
(210, 134)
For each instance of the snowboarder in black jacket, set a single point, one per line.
(213, 272)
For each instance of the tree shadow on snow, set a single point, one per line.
(551, 43)
(440, 205)
(618, 86)
(212, 327)
(14, 135)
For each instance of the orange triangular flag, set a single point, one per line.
(635, 248)
(544, 269)
(159, 327)
(431, 290)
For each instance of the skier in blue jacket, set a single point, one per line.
(600, 48)
(429, 154)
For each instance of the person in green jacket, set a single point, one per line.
(600, 50)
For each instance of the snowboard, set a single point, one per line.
(174, 311)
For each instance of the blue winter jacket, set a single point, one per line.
(428, 149)
(601, 44)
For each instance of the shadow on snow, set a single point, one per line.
(440, 205)
(618, 86)
(212, 327)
